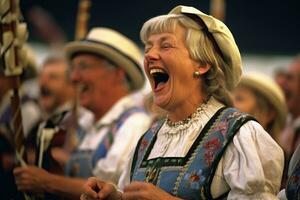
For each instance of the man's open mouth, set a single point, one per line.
(45, 92)
(159, 76)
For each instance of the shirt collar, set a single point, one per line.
(113, 114)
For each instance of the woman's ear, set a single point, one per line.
(203, 68)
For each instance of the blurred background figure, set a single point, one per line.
(56, 99)
(56, 91)
(280, 77)
(107, 70)
(290, 136)
(260, 96)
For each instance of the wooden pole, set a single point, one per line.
(218, 9)
(82, 19)
(80, 32)
(13, 35)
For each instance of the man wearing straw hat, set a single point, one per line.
(106, 67)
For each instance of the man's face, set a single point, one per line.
(94, 79)
(54, 86)
(292, 88)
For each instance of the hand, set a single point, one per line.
(95, 189)
(31, 179)
(60, 155)
(7, 160)
(145, 191)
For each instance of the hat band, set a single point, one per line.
(118, 51)
(201, 23)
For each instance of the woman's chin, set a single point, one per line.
(161, 102)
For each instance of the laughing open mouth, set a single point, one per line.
(159, 76)
(45, 92)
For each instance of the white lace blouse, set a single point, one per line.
(251, 166)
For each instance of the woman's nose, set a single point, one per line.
(152, 54)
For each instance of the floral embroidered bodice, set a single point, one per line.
(188, 177)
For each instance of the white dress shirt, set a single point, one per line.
(113, 164)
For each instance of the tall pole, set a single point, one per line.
(218, 9)
(13, 34)
(82, 19)
(80, 32)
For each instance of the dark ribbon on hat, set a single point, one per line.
(201, 23)
(115, 49)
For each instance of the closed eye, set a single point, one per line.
(147, 48)
(166, 45)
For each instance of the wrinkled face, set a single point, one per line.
(54, 86)
(292, 88)
(94, 79)
(170, 69)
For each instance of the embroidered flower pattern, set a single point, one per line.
(194, 179)
(210, 147)
(233, 115)
(144, 144)
(222, 127)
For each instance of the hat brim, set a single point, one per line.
(131, 67)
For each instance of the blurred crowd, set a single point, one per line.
(92, 106)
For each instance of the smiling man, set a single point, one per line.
(106, 67)
(56, 90)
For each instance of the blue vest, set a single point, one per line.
(82, 162)
(189, 177)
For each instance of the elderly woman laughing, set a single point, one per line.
(203, 149)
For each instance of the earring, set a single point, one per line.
(196, 74)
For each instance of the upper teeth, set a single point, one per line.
(152, 71)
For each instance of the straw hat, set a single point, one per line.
(115, 47)
(221, 38)
(269, 89)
